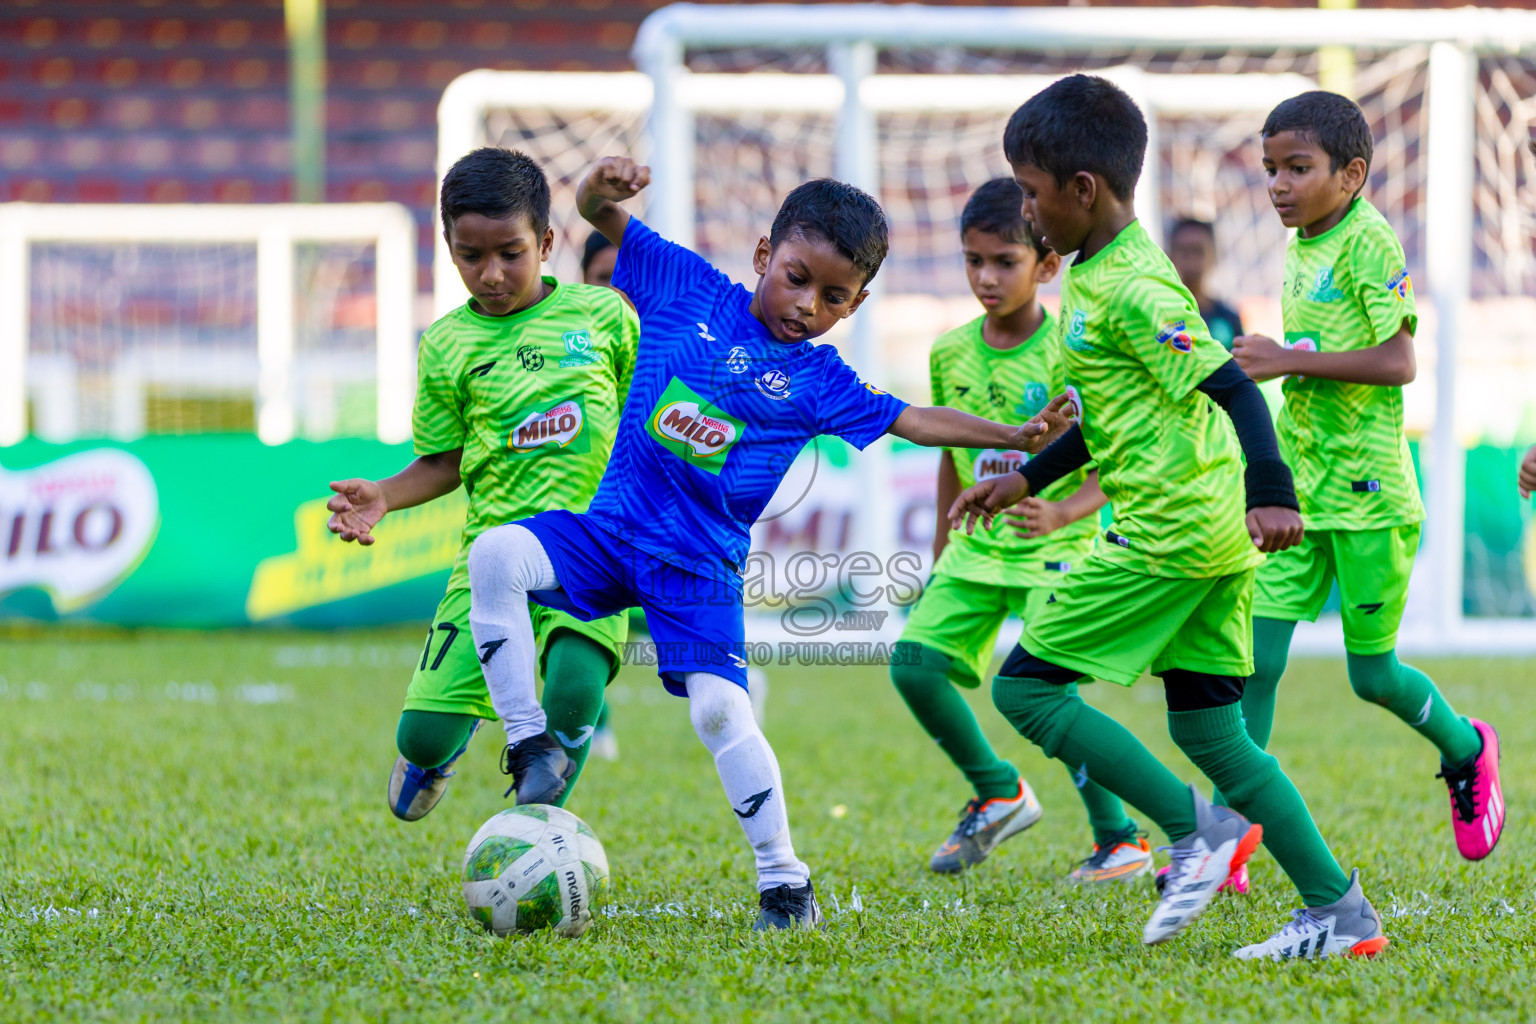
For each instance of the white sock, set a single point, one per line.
(504, 564)
(722, 717)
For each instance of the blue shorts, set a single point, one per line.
(695, 622)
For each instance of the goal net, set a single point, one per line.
(129, 321)
(730, 126)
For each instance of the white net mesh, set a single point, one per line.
(128, 339)
(566, 143)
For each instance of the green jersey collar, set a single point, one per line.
(1047, 324)
(1349, 215)
(538, 309)
(1126, 233)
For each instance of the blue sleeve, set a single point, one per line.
(853, 410)
(654, 272)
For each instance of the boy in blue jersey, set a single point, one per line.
(727, 389)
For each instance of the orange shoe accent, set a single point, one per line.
(1245, 847)
(1370, 947)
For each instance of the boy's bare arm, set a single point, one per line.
(359, 504)
(949, 490)
(940, 426)
(1389, 364)
(1036, 517)
(611, 180)
(1528, 473)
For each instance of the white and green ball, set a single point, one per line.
(533, 867)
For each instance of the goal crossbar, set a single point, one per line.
(273, 229)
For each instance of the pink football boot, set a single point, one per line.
(1477, 798)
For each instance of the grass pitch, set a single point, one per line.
(192, 826)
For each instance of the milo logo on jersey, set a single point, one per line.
(693, 428)
(990, 462)
(557, 429)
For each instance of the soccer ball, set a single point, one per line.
(533, 867)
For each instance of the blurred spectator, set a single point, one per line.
(1192, 247)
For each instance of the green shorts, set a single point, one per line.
(448, 677)
(1372, 567)
(1115, 624)
(961, 619)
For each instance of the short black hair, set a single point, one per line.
(839, 213)
(1205, 227)
(496, 183)
(596, 243)
(997, 207)
(1080, 123)
(1334, 122)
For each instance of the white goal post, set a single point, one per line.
(845, 81)
(273, 230)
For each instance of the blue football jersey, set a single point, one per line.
(717, 411)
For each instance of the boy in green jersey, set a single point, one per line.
(1349, 319)
(1006, 362)
(1171, 586)
(518, 397)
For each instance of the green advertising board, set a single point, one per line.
(221, 530)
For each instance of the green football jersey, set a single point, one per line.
(1009, 385)
(533, 399)
(1168, 458)
(1347, 289)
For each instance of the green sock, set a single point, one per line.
(1214, 739)
(1106, 814)
(921, 675)
(428, 739)
(1412, 696)
(576, 671)
(1087, 741)
(1271, 648)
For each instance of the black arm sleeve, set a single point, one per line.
(1061, 456)
(1267, 477)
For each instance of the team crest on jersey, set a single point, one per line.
(555, 429)
(736, 360)
(1175, 334)
(530, 358)
(991, 462)
(578, 349)
(1400, 284)
(1076, 337)
(773, 384)
(693, 428)
(1323, 289)
(1036, 395)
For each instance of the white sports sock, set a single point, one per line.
(722, 717)
(504, 564)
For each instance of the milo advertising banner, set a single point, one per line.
(221, 530)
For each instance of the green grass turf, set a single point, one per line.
(193, 827)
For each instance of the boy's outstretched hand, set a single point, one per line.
(356, 509)
(1046, 426)
(1528, 473)
(1034, 517)
(1274, 528)
(1261, 358)
(986, 499)
(617, 178)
